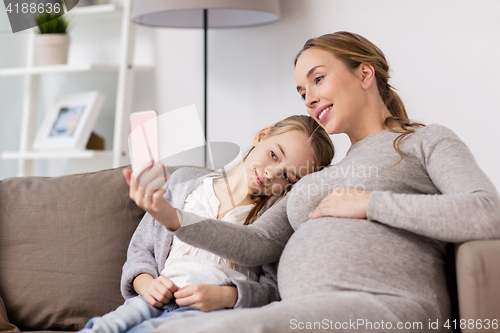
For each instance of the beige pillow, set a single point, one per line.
(63, 242)
(5, 326)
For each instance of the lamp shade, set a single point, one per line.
(189, 13)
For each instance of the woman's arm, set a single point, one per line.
(257, 293)
(251, 245)
(468, 208)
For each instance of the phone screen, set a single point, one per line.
(143, 140)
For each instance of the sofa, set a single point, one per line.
(63, 242)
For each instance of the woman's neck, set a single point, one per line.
(371, 121)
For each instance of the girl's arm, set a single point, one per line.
(140, 257)
(140, 271)
(251, 245)
(468, 208)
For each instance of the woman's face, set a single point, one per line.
(333, 94)
(277, 162)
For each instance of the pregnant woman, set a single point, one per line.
(361, 243)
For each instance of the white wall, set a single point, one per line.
(443, 55)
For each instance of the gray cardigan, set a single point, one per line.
(150, 245)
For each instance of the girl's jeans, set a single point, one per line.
(135, 316)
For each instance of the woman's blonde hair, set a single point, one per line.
(321, 146)
(353, 50)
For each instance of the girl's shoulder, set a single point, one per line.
(184, 174)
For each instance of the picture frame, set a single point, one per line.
(69, 122)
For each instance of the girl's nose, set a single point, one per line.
(270, 173)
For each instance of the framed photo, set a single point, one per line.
(69, 123)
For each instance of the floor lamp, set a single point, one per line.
(205, 14)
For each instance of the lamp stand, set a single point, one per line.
(205, 93)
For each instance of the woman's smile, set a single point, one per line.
(321, 112)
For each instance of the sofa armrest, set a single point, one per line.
(478, 282)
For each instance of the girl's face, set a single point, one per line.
(333, 94)
(277, 161)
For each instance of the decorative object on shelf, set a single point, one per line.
(96, 142)
(205, 14)
(69, 123)
(52, 40)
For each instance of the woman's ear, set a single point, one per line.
(366, 74)
(260, 135)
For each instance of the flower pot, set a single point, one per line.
(51, 49)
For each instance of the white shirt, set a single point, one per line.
(187, 264)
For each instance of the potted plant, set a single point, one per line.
(52, 40)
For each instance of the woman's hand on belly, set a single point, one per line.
(207, 297)
(343, 202)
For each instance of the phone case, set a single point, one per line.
(143, 140)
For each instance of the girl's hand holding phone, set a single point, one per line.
(147, 193)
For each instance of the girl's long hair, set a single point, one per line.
(321, 146)
(353, 50)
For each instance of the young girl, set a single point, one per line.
(171, 276)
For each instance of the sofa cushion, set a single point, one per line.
(63, 242)
(5, 326)
(478, 282)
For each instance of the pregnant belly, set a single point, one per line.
(329, 254)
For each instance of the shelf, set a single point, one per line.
(37, 155)
(58, 69)
(123, 68)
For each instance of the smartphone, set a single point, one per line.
(143, 141)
